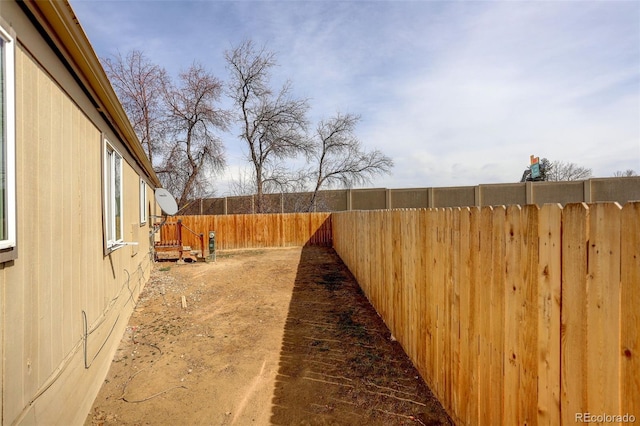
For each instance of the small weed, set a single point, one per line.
(320, 346)
(244, 253)
(362, 365)
(332, 280)
(374, 357)
(165, 269)
(349, 327)
(345, 319)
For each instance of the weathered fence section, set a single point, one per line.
(618, 189)
(516, 315)
(252, 231)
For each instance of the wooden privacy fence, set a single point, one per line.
(252, 231)
(513, 316)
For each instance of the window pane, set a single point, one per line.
(143, 201)
(108, 189)
(3, 150)
(118, 196)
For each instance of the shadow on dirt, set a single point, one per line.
(338, 364)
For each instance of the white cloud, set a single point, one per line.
(514, 84)
(458, 93)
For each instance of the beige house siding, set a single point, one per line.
(61, 275)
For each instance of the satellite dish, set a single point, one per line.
(166, 201)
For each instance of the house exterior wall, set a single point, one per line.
(62, 287)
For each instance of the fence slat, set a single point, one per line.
(629, 312)
(454, 331)
(549, 296)
(528, 335)
(397, 268)
(446, 256)
(438, 291)
(484, 297)
(513, 282)
(575, 239)
(388, 265)
(497, 319)
(475, 311)
(603, 309)
(421, 291)
(463, 386)
(410, 257)
(430, 295)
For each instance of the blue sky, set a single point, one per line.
(457, 93)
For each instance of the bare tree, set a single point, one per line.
(338, 158)
(195, 147)
(561, 171)
(273, 124)
(625, 173)
(139, 85)
(555, 171)
(243, 184)
(176, 124)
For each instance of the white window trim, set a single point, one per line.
(10, 136)
(143, 202)
(112, 242)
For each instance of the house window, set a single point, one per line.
(7, 144)
(143, 202)
(113, 197)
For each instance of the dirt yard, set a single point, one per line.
(278, 336)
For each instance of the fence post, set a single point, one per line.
(586, 190)
(528, 192)
(179, 232)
